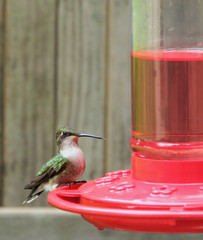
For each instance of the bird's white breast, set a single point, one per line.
(75, 156)
(72, 153)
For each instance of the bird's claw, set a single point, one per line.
(75, 182)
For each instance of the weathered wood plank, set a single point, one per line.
(81, 74)
(29, 94)
(118, 85)
(46, 223)
(1, 98)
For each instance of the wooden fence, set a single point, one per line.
(62, 63)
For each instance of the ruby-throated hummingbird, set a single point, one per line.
(65, 168)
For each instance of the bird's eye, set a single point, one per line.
(65, 134)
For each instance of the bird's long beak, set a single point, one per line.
(88, 135)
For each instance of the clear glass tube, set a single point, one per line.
(167, 79)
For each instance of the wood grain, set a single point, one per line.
(29, 94)
(1, 97)
(118, 85)
(81, 75)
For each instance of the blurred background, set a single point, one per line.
(62, 63)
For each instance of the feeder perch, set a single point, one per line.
(163, 191)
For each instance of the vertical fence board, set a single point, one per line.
(1, 98)
(29, 94)
(80, 75)
(118, 84)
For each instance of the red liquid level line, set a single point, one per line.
(170, 55)
(167, 96)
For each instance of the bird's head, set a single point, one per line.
(67, 136)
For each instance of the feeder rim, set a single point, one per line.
(65, 204)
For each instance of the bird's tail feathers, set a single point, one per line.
(31, 197)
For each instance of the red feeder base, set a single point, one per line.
(120, 201)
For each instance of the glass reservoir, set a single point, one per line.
(167, 79)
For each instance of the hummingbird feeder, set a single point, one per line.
(163, 191)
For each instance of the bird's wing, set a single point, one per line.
(49, 169)
(56, 163)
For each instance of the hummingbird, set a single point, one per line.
(65, 168)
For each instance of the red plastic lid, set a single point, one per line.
(121, 202)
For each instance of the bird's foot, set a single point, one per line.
(75, 182)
